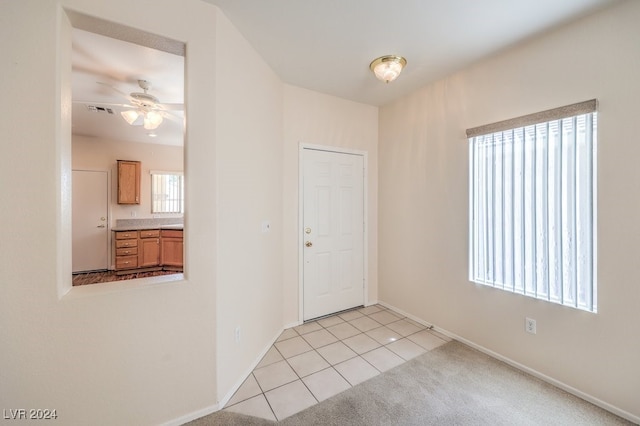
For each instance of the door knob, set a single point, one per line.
(308, 244)
(100, 226)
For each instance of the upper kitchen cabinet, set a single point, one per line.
(129, 182)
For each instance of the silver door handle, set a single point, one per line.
(100, 226)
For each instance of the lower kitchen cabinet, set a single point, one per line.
(171, 249)
(149, 248)
(126, 243)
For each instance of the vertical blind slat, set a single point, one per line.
(546, 214)
(513, 213)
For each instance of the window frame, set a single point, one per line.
(487, 187)
(180, 199)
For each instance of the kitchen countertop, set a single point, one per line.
(148, 223)
(176, 226)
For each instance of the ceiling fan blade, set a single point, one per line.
(105, 104)
(173, 117)
(125, 95)
(171, 107)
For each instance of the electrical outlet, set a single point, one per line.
(237, 334)
(530, 325)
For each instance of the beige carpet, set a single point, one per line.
(450, 385)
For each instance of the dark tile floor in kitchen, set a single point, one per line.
(108, 276)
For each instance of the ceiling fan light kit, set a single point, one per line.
(152, 119)
(387, 68)
(130, 116)
(148, 110)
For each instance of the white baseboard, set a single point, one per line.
(408, 315)
(576, 392)
(291, 325)
(220, 405)
(252, 367)
(192, 416)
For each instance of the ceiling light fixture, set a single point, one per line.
(130, 116)
(150, 119)
(388, 68)
(147, 105)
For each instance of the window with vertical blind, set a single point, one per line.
(532, 205)
(167, 192)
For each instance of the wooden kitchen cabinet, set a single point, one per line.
(171, 249)
(129, 182)
(149, 248)
(126, 243)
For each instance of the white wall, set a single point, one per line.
(249, 176)
(99, 154)
(314, 118)
(146, 353)
(424, 200)
(137, 352)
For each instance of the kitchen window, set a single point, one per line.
(167, 192)
(532, 205)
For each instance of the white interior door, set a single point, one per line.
(332, 231)
(90, 233)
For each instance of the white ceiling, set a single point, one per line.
(327, 45)
(324, 46)
(99, 59)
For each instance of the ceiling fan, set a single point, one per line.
(146, 110)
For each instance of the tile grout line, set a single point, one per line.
(264, 393)
(299, 378)
(296, 373)
(267, 400)
(333, 366)
(358, 355)
(421, 328)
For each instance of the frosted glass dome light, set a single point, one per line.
(388, 68)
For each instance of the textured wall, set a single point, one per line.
(314, 118)
(137, 352)
(424, 203)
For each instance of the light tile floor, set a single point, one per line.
(317, 360)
